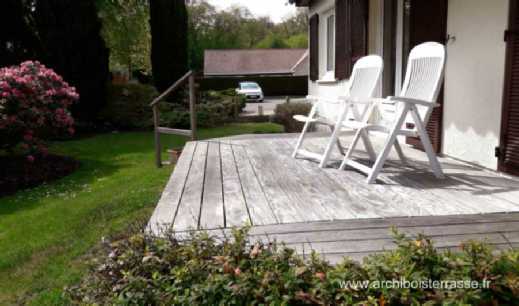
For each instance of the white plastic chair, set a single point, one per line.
(417, 100)
(333, 112)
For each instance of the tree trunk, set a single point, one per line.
(169, 59)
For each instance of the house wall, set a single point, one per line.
(474, 79)
(322, 7)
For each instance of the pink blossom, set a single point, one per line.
(27, 137)
(40, 99)
(30, 158)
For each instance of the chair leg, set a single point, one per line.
(329, 146)
(340, 147)
(377, 167)
(351, 149)
(334, 139)
(424, 138)
(338, 142)
(368, 145)
(400, 152)
(303, 132)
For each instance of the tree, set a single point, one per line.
(126, 31)
(169, 59)
(18, 39)
(70, 33)
(237, 28)
(272, 41)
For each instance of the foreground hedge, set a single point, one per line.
(144, 271)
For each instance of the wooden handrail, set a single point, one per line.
(189, 76)
(172, 88)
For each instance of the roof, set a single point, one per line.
(300, 2)
(302, 66)
(232, 62)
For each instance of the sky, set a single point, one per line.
(276, 9)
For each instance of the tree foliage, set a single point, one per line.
(69, 32)
(126, 31)
(237, 28)
(65, 36)
(169, 58)
(18, 40)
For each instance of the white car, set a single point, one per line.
(251, 90)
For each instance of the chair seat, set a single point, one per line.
(318, 120)
(357, 125)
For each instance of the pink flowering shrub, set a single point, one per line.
(34, 105)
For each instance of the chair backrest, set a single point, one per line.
(424, 75)
(362, 84)
(365, 77)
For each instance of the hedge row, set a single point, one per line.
(141, 270)
(128, 108)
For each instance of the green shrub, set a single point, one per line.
(284, 113)
(216, 108)
(128, 106)
(201, 271)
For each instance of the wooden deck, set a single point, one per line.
(223, 183)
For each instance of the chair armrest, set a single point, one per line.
(358, 101)
(323, 99)
(413, 101)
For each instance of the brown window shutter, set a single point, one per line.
(351, 31)
(359, 29)
(314, 47)
(509, 146)
(343, 50)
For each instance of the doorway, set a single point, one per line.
(408, 23)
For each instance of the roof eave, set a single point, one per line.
(300, 2)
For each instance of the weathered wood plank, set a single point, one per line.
(335, 258)
(236, 213)
(273, 182)
(319, 187)
(167, 206)
(212, 211)
(385, 233)
(512, 236)
(376, 245)
(166, 130)
(365, 200)
(286, 193)
(259, 208)
(189, 210)
(368, 225)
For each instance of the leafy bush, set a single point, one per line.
(284, 113)
(216, 108)
(201, 271)
(128, 106)
(34, 105)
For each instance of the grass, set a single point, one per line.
(45, 231)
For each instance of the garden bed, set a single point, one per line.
(16, 173)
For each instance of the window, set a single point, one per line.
(330, 43)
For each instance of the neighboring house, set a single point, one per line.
(278, 71)
(479, 118)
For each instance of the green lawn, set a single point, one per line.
(44, 232)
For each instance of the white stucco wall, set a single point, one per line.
(322, 7)
(474, 79)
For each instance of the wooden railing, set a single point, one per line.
(190, 78)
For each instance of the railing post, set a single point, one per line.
(192, 105)
(158, 149)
